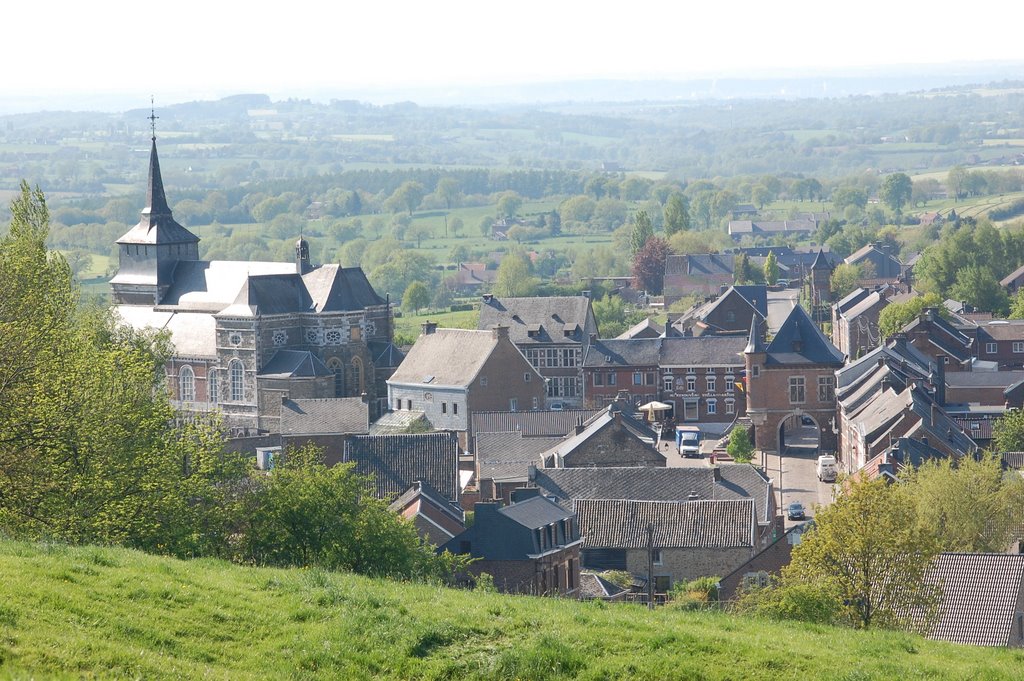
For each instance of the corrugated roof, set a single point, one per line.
(397, 461)
(622, 524)
(980, 597)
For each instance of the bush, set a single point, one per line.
(694, 595)
(461, 307)
(798, 601)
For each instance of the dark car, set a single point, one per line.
(806, 420)
(795, 511)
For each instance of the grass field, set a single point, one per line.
(409, 326)
(111, 613)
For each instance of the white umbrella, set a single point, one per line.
(655, 406)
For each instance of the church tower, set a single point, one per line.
(821, 286)
(149, 251)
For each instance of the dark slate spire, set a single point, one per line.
(156, 201)
(820, 261)
(754, 343)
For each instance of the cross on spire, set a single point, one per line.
(152, 118)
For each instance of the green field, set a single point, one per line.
(409, 326)
(111, 613)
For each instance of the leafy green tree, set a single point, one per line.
(896, 315)
(1008, 432)
(977, 286)
(418, 232)
(408, 197)
(760, 195)
(896, 191)
(844, 197)
(449, 191)
(870, 553)
(401, 269)
(702, 208)
(743, 271)
(955, 182)
(845, 278)
(515, 277)
(970, 505)
(509, 204)
(416, 297)
(456, 224)
(740, 448)
(610, 314)
(677, 214)
(771, 269)
(641, 232)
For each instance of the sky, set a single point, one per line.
(214, 48)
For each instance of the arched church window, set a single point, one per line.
(336, 366)
(212, 387)
(357, 368)
(186, 384)
(237, 380)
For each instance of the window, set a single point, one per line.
(355, 333)
(313, 336)
(797, 392)
(649, 378)
(563, 386)
(535, 402)
(336, 367)
(186, 384)
(526, 377)
(1018, 346)
(357, 371)
(756, 370)
(333, 336)
(730, 315)
(237, 380)
(712, 406)
(280, 337)
(667, 384)
(730, 406)
(711, 384)
(991, 348)
(690, 410)
(638, 378)
(598, 378)
(611, 379)
(513, 404)
(656, 555)
(691, 384)
(398, 403)
(455, 408)
(444, 407)
(730, 383)
(826, 388)
(211, 387)
(408, 405)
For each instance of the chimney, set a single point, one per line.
(428, 327)
(722, 289)
(940, 383)
(716, 473)
(593, 338)
(488, 298)
(531, 472)
(364, 398)
(524, 493)
(500, 332)
(693, 496)
(585, 294)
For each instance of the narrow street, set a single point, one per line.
(794, 474)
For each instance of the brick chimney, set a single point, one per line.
(488, 298)
(500, 332)
(428, 327)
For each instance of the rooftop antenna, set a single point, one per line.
(152, 118)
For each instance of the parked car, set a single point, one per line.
(795, 511)
(806, 420)
(556, 406)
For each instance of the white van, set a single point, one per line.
(826, 468)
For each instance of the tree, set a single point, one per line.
(743, 271)
(641, 231)
(977, 286)
(408, 196)
(740, 448)
(509, 204)
(771, 269)
(896, 315)
(416, 297)
(514, 278)
(955, 182)
(970, 505)
(456, 224)
(896, 191)
(869, 552)
(448, 190)
(418, 232)
(610, 314)
(677, 214)
(845, 278)
(844, 197)
(760, 195)
(649, 266)
(1008, 432)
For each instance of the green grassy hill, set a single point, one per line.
(93, 612)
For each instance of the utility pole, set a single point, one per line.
(650, 566)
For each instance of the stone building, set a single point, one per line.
(792, 379)
(249, 334)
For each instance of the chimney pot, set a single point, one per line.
(428, 327)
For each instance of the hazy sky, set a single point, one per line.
(217, 47)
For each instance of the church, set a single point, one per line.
(248, 335)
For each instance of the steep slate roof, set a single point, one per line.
(532, 423)
(851, 299)
(194, 334)
(754, 296)
(397, 461)
(1002, 329)
(593, 585)
(422, 488)
(1012, 277)
(739, 481)
(550, 317)
(821, 262)
(446, 357)
(157, 225)
(799, 341)
(270, 294)
(328, 416)
(647, 328)
(510, 533)
(696, 264)
(702, 351)
(886, 265)
(385, 354)
(623, 353)
(294, 364)
(609, 418)
(506, 457)
(980, 597)
(213, 285)
(334, 288)
(622, 524)
(738, 227)
(943, 335)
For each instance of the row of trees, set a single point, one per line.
(89, 452)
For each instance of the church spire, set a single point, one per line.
(156, 201)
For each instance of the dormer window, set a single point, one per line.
(533, 330)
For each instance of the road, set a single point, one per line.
(797, 479)
(780, 304)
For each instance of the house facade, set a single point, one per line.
(621, 369)
(553, 333)
(702, 378)
(449, 374)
